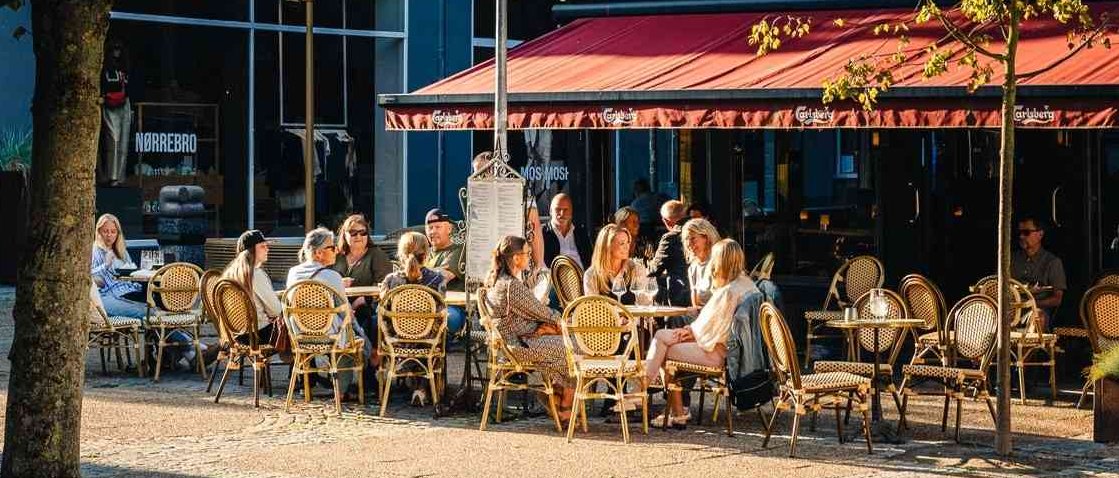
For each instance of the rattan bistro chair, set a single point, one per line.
(412, 332)
(813, 392)
(1109, 279)
(925, 301)
(602, 348)
(503, 366)
(237, 315)
(567, 278)
(173, 304)
(707, 379)
(310, 308)
(853, 279)
(209, 284)
(1100, 309)
(111, 334)
(1027, 338)
(763, 270)
(889, 344)
(974, 323)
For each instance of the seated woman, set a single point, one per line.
(610, 263)
(412, 250)
(360, 266)
(121, 298)
(704, 341)
(316, 256)
(698, 236)
(246, 270)
(627, 218)
(529, 327)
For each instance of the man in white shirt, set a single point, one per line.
(562, 236)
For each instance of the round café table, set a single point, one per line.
(876, 325)
(452, 297)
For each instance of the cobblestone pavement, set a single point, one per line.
(133, 427)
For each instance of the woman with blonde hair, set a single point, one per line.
(411, 252)
(529, 327)
(698, 236)
(610, 263)
(704, 341)
(121, 298)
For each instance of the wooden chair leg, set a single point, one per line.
(387, 386)
(576, 409)
(838, 423)
(796, 429)
(292, 375)
(224, 378)
(864, 406)
(772, 421)
(159, 352)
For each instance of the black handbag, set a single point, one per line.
(752, 390)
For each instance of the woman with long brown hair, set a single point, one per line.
(247, 270)
(529, 327)
(360, 265)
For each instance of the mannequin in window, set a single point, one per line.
(116, 115)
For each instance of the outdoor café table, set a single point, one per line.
(876, 325)
(139, 275)
(452, 297)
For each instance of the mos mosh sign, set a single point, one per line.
(151, 142)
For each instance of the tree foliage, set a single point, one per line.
(973, 33)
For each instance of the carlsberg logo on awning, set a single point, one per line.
(167, 143)
(813, 116)
(619, 117)
(1029, 116)
(447, 119)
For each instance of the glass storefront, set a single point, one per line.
(215, 92)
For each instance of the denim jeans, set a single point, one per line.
(124, 307)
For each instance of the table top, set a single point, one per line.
(825, 315)
(887, 323)
(656, 310)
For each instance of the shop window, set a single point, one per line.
(223, 10)
(331, 87)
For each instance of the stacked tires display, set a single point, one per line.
(182, 224)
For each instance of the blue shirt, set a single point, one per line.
(104, 274)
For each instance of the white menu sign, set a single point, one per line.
(496, 209)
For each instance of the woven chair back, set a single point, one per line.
(975, 323)
(887, 337)
(1101, 305)
(209, 285)
(853, 279)
(923, 299)
(596, 326)
(412, 312)
(178, 286)
(779, 343)
(764, 268)
(312, 306)
(1108, 279)
(567, 278)
(1019, 294)
(236, 310)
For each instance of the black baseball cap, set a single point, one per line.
(250, 239)
(437, 215)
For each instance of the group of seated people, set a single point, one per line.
(692, 265)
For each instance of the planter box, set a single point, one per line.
(1106, 412)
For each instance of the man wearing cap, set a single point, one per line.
(446, 257)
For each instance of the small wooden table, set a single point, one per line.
(876, 325)
(452, 297)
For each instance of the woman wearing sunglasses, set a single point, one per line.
(360, 265)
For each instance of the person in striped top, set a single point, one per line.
(121, 298)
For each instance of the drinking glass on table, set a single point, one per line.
(618, 288)
(878, 306)
(146, 260)
(157, 259)
(651, 290)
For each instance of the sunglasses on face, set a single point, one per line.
(358, 232)
(1026, 232)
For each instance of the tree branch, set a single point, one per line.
(1069, 54)
(966, 40)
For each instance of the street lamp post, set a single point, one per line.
(500, 125)
(309, 121)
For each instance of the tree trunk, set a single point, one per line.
(52, 293)
(1006, 215)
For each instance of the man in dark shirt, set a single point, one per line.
(1038, 268)
(563, 236)
(669, 265)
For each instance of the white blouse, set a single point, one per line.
(712, 327)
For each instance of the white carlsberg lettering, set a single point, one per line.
(1029, 116)
(813, 116)
(618, 117)
(447, 119)
(166, 143)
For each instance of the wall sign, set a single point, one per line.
(148, 142)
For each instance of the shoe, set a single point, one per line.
(628, 404)
(680, 422)
(419, 396)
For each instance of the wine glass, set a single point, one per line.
(878, 306)
(618, 287)
(651, 290)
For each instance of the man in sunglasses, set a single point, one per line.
(1038, 268)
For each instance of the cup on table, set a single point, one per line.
(849, 314)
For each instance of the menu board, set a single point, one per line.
(495, 209)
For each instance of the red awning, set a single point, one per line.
(697, 71)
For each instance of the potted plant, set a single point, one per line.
(1105, 373)
(15, 177)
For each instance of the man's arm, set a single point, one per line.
(659, 265)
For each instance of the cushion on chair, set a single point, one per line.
(934, 371)
(605, 366)
(124, 322)
(831, 381)
(694, 368)
(861, 369)
(175, 319)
